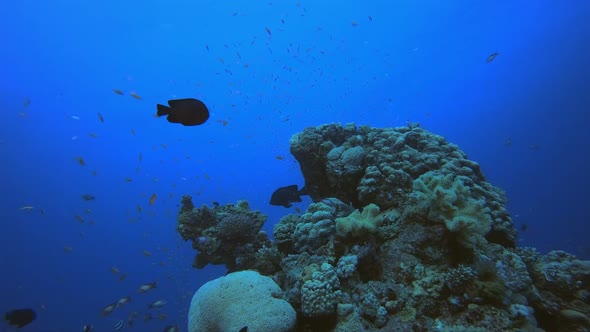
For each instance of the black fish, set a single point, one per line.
(284, 196)
(492, 56)
(187, 111)
(20, 317)
(244, 329)
(88, 197)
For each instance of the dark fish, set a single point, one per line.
(188, 111)
(88, 328)
(88, 197)
(119, 325)
(20, 317)
(492, 56)
(284, 196)
(244, 329)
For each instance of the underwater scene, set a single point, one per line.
(303, 166)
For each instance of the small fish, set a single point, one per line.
(162, 316)
(132, 132)
(187, 111)
(122, 301)
(157, 304)
(147, 253)
(153, 199)
(100, 117)
(135, 95)
(279, 157)
(115, 270)
(119, 325)
(131, 318)
(20, 317)
(122, 277)
(27, 102)
(109, 309)
(171, 328)
(27, 208)
(68, 249)
(119, 92)
(87, 328)
(370, 18)
(491, 57)
(146, 287)
(244, 329)
(75, 117)
(140, 157)
(128, 180)
(268, 31)
(147, 317)
(80, 161)
(79, 218)
(88, 197)
(284, 196)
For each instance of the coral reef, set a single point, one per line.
(228, 234)
(404, 234)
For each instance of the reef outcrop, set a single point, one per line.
(405, 234)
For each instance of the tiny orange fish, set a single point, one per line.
(135, 95)
(153, 199)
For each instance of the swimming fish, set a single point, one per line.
(131, 318)
(88, 197)
(20, 317)
(146, 287)
(124, 300)
(87, 328)
(187, 111)
(157, 304)
(244, 329)
(109, 309)
(284, 196)
(119, 325)
(171, 328)
(491, 57)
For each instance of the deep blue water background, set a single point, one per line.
(419, 61)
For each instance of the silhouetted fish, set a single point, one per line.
(187, 111)
(284, 196)
(492, 56)
(244, 329)
(88, 197)
(20, 317)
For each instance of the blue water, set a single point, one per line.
(369, 62)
